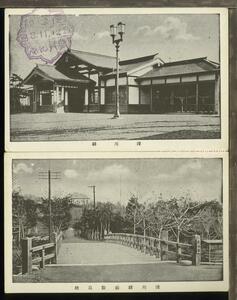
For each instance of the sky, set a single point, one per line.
(117, 179)
(174, 37)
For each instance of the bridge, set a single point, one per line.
(122, 257)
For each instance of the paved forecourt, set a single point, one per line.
(92, 127)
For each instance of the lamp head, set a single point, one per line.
(121, 28)
(113, 30)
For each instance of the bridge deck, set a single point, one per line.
(101, 253)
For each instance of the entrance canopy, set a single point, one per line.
(49, 73)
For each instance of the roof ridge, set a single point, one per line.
(93, 53)
(184, 61)
(137, 58)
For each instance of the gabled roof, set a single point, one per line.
(49, 72)
(128, 65)
(138, 59)
(197, 65)
(95, 59)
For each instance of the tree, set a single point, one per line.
(132, 212)
(61, 215)
(183, 213)
(160, 218)
(17, 91)
(24, 214)
(210, 221)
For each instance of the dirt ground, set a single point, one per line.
(93, 127)
(161, 272)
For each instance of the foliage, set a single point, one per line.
(60, 212)
(24, 213)
(182, 217)
(17, 91)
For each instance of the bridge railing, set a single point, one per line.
(39, 255)
(161, 248)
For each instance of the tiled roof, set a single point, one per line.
(97, 60)
(129, 67)
(51, 73)
(130, 64)
(197, 65)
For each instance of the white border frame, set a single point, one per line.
(125, 145)
(203, 286)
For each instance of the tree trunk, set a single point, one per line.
(134, 223)
(159, 243)
(144, 234)
(101, 230)
(178, 234)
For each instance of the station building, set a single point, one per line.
(86, 82)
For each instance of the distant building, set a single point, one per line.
(80, 199)
(85, 82)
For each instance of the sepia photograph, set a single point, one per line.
(110, 76)
(117, 220)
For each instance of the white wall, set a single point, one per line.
(132, 81)
(146, 82)
(111, 81)
(158, 81)
(94, 77)
(173, 80)
(207, 77)
(189, 78)
(102, 96)
(86, 97)
(133, 95)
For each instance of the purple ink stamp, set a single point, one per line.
(45, 37)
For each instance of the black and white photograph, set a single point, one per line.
(116, 76)
(138, 221)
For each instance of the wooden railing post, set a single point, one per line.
(42, 263)
(164, 245)
(178, 253)
(26, 255)
(55, 241)
(196, 250)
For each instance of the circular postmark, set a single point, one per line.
(45, 37)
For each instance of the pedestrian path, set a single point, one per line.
(101, 253)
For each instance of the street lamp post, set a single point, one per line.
(114, 31)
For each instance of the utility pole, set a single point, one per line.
(49, 175)
(50, 204)
(93, 188)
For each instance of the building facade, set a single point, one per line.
(86, 82)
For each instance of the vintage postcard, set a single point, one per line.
(120, 222)
(116, 79)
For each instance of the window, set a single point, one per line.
(110, 95)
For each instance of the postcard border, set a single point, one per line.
(11, 287)
(125, 145)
